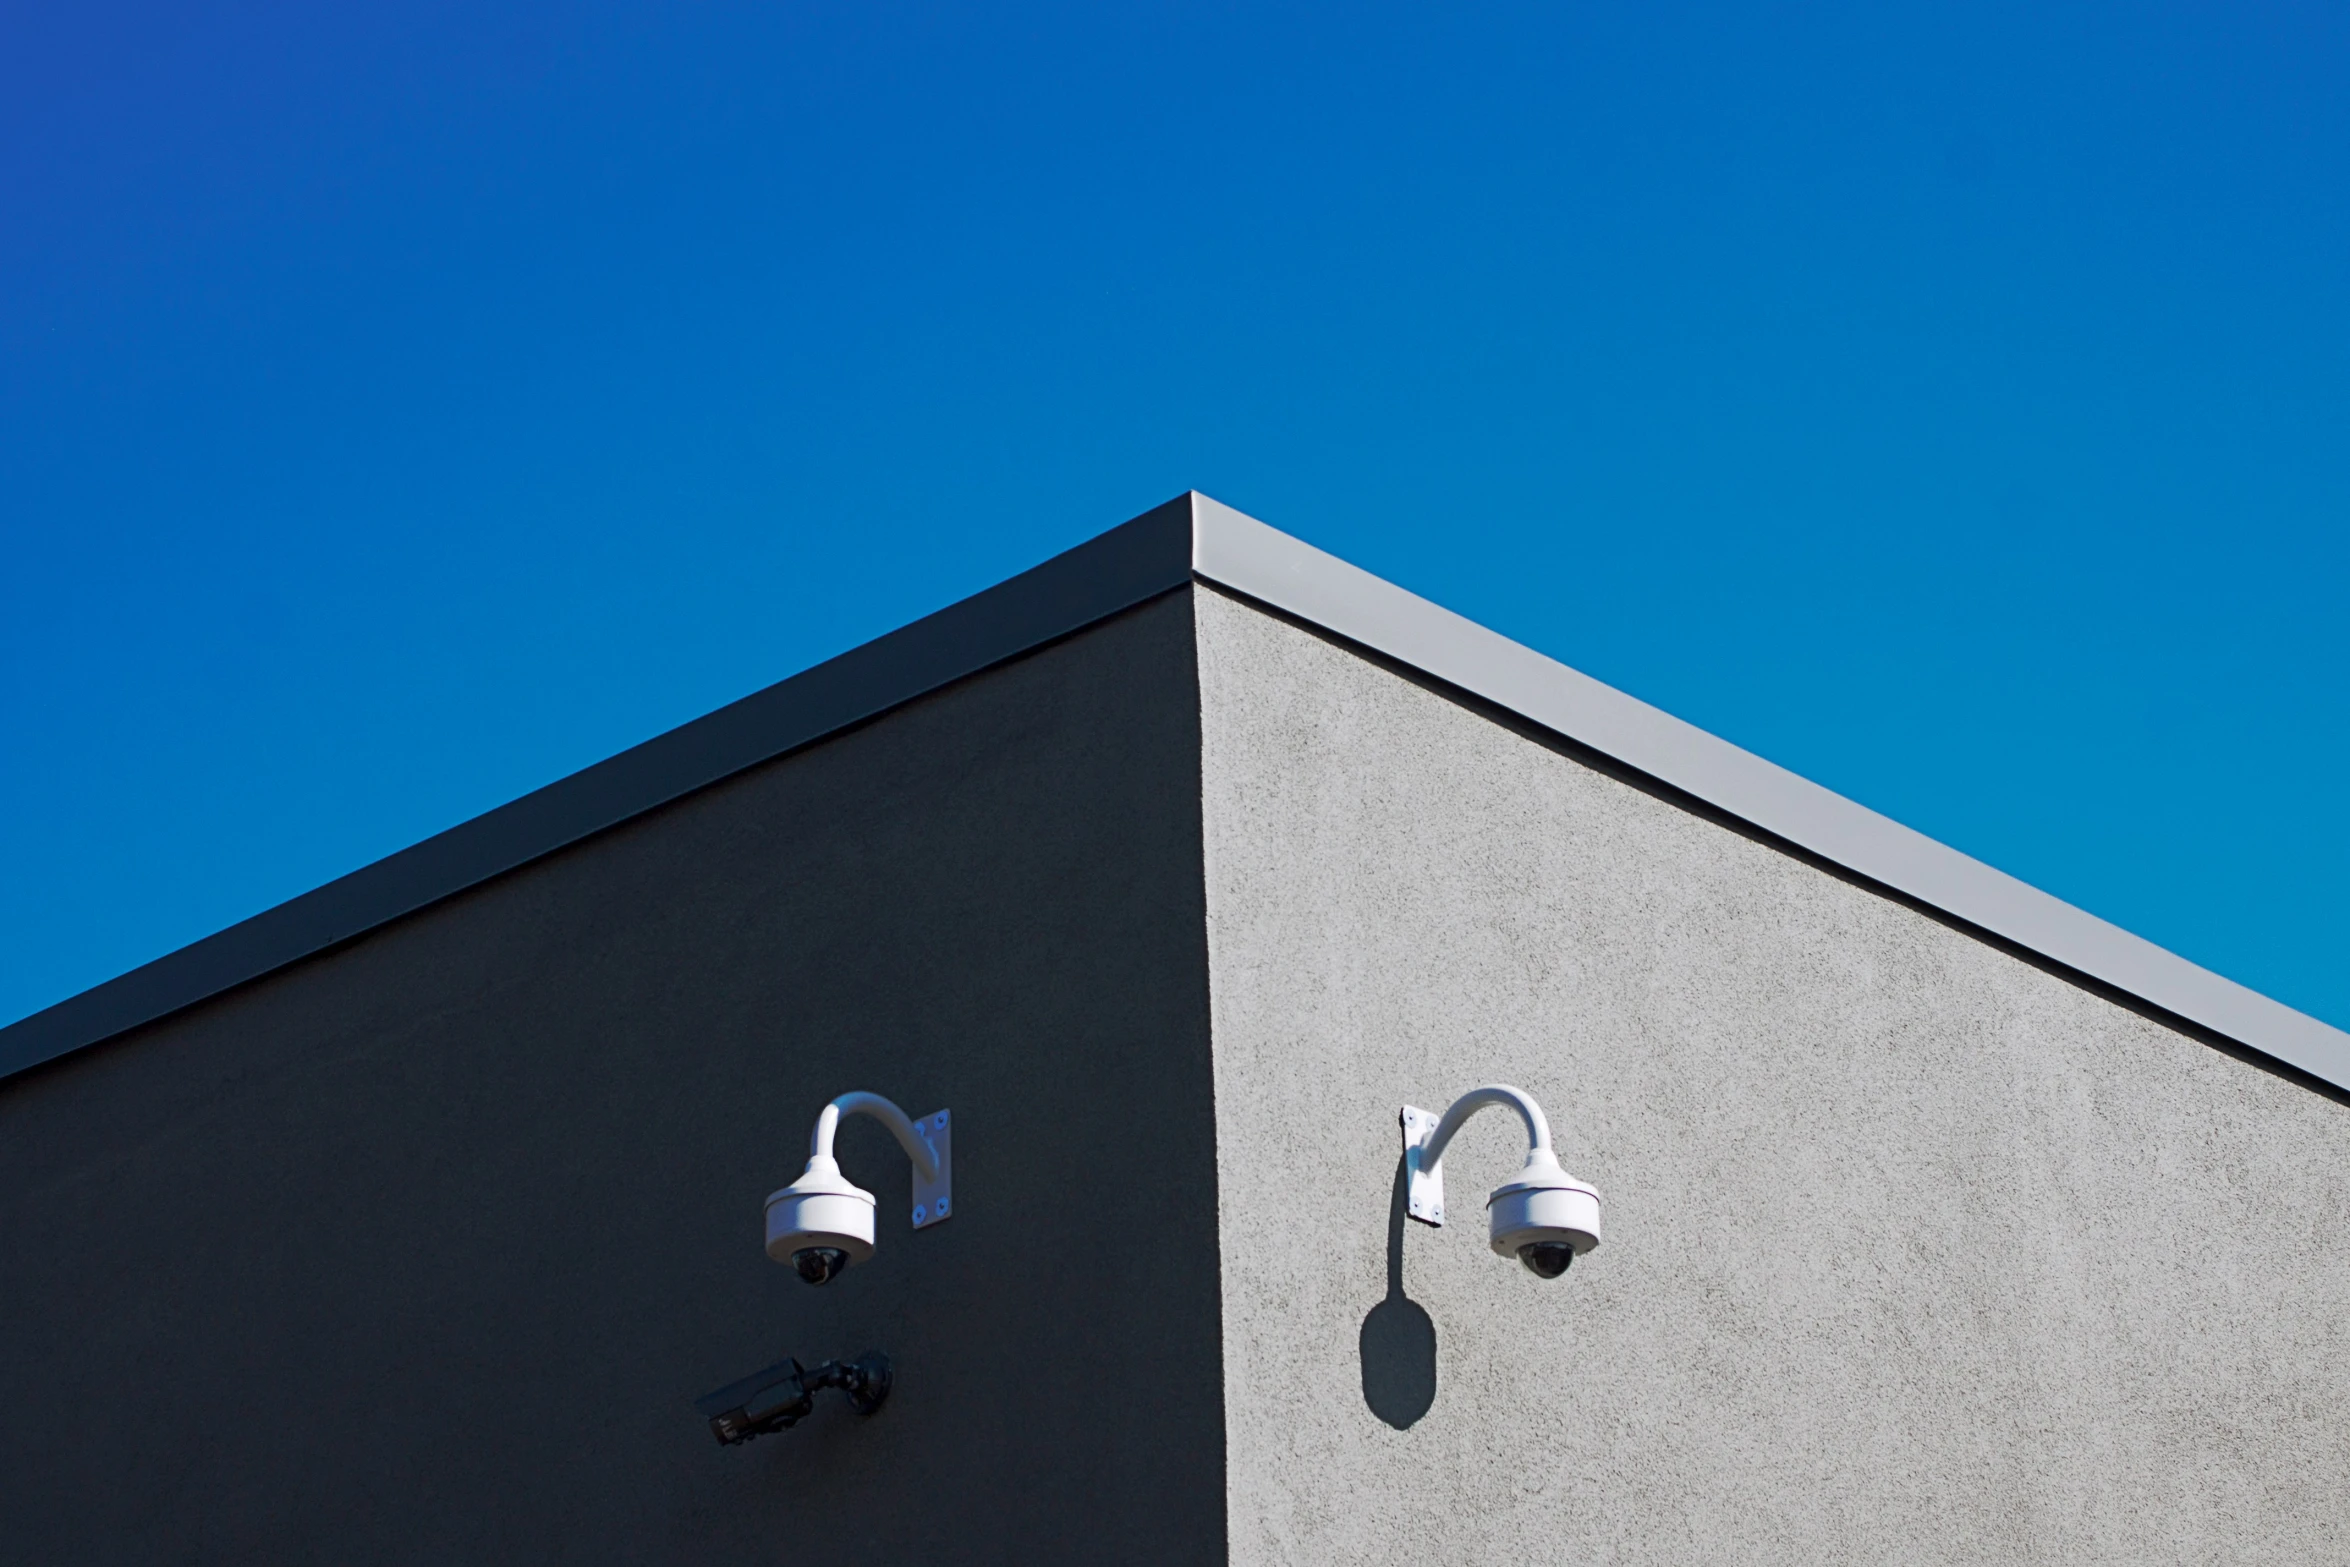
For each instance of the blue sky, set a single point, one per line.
(401, 407)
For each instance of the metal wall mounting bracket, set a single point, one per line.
(1423, 1188)
(935, 1200)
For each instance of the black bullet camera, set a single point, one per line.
(784, 1394)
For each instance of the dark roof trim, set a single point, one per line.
(1099, 578)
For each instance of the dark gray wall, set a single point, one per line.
(419, 1251)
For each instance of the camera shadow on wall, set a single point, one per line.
(1398, 1342)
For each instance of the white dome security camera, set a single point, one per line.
(822, 1222)
(1545, 1218)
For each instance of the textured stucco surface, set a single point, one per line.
(1914, 1252)
(419, 1251)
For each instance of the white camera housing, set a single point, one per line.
(821, 1208)
(1543, 1204)
(824, 1211)
(1530, 1217)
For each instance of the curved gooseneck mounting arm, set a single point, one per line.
(928, 1142)
(1476, 1099)
(823, 1221)
(1426, 1136)
(1543, 1216)
(915, 1140)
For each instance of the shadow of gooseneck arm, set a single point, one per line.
(1398, 1342)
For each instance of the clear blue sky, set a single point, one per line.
(402, 406)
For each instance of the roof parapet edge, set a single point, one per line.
(1111, 572)
(1164, 548)
(1239, 552)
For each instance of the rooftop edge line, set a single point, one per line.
(1167, 547)
(1241, 553)
(1111, 572)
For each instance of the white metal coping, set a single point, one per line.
(1243, 554)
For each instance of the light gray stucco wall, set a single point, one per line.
(1914, 1252)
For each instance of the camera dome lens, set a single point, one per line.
(819, 1264)
(1543, 1259)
